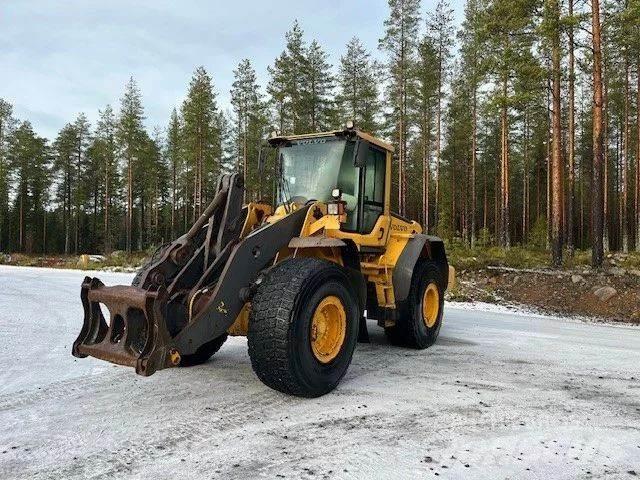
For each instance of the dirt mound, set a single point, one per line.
(613, 295)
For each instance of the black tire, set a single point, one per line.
(203, 353)
(410, 329)
(279, 336)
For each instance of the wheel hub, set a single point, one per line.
(328, 329)
(430, 305)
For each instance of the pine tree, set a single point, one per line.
(153, 191)
(424, 92)
(571, 129)
(85, 182)
(552, 28)
(294, 70)
(7, 126)
(399, 42)
(249, 124)
(63, 165)
(597, 204)
(104, 156)
(508, 32)
(28, 158)
(440, 28)
(632, 17)
(318, 105)
(277, 91)
(456, 157)
(174, 158)
(228, 157)
(472, 52)
(130, 135)
(358, 81)
(287, 84)
(200, 136)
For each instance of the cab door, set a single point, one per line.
(373, 190)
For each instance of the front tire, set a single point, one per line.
(420, 315)
(303, 327)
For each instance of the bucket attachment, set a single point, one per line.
(136, 334)
(191, 290)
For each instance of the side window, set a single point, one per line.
(373, 200)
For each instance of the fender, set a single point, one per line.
(350, 260)
(419, 246)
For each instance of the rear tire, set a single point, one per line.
(419, 320)
(303, 327)
(203, 353)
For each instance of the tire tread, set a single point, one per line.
(272, 314)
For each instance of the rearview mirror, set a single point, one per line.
(360, 152)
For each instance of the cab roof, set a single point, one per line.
(338, 133)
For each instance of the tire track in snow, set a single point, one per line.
(185, 429)
(61, 390)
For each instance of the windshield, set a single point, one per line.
(312, 168)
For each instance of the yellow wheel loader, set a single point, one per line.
(297, 278)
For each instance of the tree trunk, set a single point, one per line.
(129, 204)
(21, 222)
(597, 205)
(453, 199)
(538, 168)
(571, 142)
(497, 202)
(107, 233)
(44, 231)
(401, 125)
(504, 164)
(637, 192)
(94, 235)
(141, 223)
(436, 204)
(625, 160)
(174, 195)
(426, 124)
(605, 150)
(76, 231)
(525, 177)
(66, 209)
(548, 159)
(474, 153)
(485, 202)
(245, 168)
(556, 157)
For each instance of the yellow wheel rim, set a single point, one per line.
(430, 305)
(328, 329)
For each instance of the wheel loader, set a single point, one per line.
(299, 278)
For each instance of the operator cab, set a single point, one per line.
(317, 167)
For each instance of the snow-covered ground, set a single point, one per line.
(500, 395)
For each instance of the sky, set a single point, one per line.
(60, 58)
